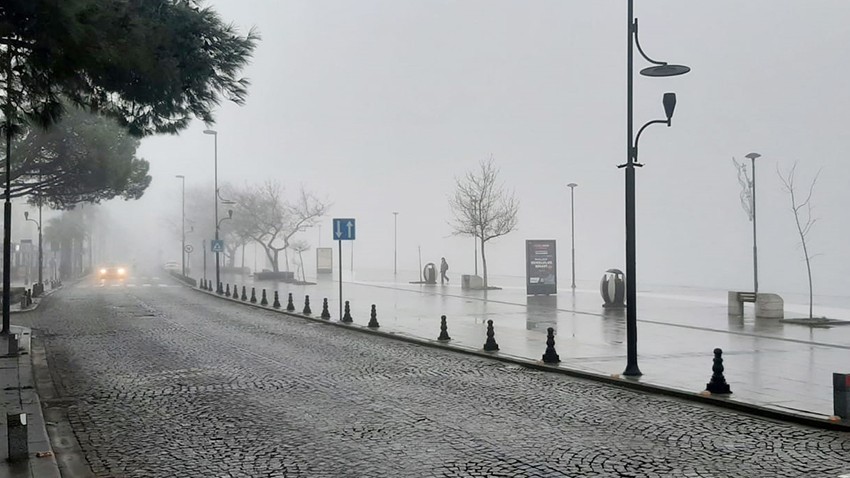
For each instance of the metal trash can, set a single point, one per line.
(429, 273)
(613, 289)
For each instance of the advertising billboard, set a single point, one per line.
(324, 260)
(540, 267)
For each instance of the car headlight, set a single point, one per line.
(103, 271)
(121, 271)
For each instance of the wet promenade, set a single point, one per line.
(769, 363)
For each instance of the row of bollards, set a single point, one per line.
(717, 384)
(225, 289)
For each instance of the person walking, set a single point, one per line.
(444, 266)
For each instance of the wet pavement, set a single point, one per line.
(163, 381)
(783, 366)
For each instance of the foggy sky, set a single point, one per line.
(378, 105)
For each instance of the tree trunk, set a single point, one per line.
(243, 255)
(275, 261)
(484, 265)
(809, 271)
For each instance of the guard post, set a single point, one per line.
(841, 395)
(16, 432)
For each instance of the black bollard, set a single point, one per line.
(373, 318)
(550, 356)
(290, 307)
(306, 310)
(220, 289)
(203, 284)
(244, 294)
(444, 329)
(235, 292)
(326, 314)
(718, 381)
(263, 300)
(490, 345)
(346, 317)
(227, 290)
(276, 303)
(253, 295)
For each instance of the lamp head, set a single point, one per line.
(26, 215)
(665, 70)
(230, 213)
(669, 105)
(572, 185)
(180, 176)
(753, 156)
(210, 131)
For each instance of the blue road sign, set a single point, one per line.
(217, 245)
(344, 229)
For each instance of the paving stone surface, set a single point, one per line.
(168, 382)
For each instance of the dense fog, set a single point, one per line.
(377, 106)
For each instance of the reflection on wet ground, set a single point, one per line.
(768, 362)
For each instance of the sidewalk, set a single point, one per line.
(780, 366)
(19, 395)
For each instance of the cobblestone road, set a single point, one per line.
(167, 382)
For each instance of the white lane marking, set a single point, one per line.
(146, 285)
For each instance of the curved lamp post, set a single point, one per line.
(659, 69)
(40, 256)
(183, 225)
(214, 133)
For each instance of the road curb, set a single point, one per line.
(615, 380)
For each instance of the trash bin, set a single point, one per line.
(464, 281)
(429, 273)
(613, 289)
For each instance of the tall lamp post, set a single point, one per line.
(660, 69)
(183, 224)
(40, 256)
(572, 187)
(395, 243)
(475, 235)
(214, 133)
(753, 157)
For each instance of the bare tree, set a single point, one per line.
(482, 207)
(746, 188)
(802, 217)
(274, 218)
(301, 246)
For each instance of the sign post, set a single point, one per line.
(343, 230)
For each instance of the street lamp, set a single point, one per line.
(229, 216)
(572, 187)
(214, 133)
(40, 257)
(183, 225)
(753, 157)
(395, 243)
(475, 235)
(660, 69)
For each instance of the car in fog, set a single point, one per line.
(171, 266)
(112, 272)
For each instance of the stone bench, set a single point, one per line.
(768, 306)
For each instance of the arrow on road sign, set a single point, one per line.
(344, 229)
